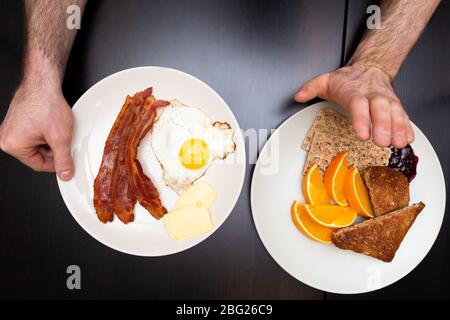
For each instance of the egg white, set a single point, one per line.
(178, 123)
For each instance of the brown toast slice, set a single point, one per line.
(379, 237)
(388, 189)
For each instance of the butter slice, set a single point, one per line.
(187, 222)
(200, 194)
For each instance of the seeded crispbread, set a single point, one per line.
(362, 154)
(329, 121)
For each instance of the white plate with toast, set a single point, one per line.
(95, 113)
(277, 182)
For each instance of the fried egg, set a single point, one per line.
(185, 142)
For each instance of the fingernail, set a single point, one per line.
(400, 139)
(382, 137)
(65, 175)
(381, 134)
(300, 95)
(365, 130)
(410, 137)
(363, 133)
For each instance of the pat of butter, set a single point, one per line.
(187, 222)
(200, 194)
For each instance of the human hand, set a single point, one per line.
(37, 129)
(366, 92)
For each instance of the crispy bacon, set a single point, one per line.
(115, 187)
(146, 192)
(124, 198)
(103, 184)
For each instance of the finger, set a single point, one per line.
(46, 151)
(30, 156)
(317, 87)
(1, 129)
(359, 110)
(409, 130)
(380, 115)
(38, 162)
(398, 129)
(60, 145)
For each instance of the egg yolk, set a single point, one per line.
(194, 153)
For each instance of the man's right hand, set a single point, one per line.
(37, 129)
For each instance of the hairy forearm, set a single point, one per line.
(48, 39)
(402, 22)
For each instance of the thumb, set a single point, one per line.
(61, 148)
(317, 87)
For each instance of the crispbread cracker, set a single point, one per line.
(325, 146)
(329, 121)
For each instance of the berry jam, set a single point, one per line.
(405, 161)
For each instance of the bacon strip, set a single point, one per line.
(146, 193)
(121, 181)
(124, 198)
(103, 184)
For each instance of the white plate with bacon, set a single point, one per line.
(159, 161)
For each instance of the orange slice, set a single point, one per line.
(332, 216)
(313, 187)
(356, 193)
(308, 226)
(334, 178)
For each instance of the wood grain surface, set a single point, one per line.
(255, 54)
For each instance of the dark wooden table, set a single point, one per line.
(255, 54)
